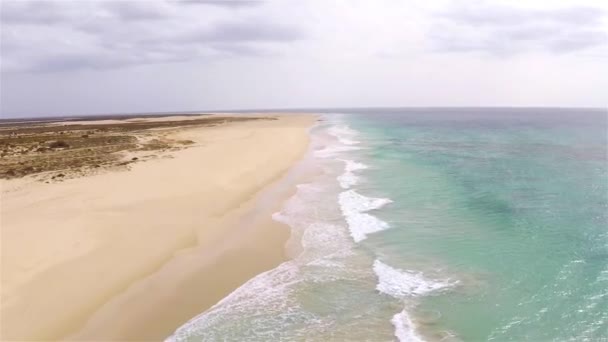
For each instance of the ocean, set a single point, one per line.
(461, 224)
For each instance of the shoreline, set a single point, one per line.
(138, 281)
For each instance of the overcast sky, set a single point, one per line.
(84, 57)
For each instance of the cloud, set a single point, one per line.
(138, 10)
(251, 30)
(68, 35)
(505, 30)
(59, 36)
(34, 12)
(221, 3)
(80, 57)
(485, 13)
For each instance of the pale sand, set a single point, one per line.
(131, 255)
(142, 119)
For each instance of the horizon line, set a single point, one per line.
(311, 110)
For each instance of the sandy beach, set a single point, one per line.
(133, 254)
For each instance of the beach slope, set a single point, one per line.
(131, 255)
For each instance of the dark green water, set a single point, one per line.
(512, 203)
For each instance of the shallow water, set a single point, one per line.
(452, 224)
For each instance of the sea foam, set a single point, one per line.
(354, 207)
(333, 150)
(346, 141)
(349, 178)
(344, 134)
(402, 284)
(351, 165)
(267, 291)
(404, 328)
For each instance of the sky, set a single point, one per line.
(91, 57)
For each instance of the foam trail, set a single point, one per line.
(352, 165)
(331, 151)
(344, 134)
(348, 178)
(361, 224)
(405, 331)
(402, 284)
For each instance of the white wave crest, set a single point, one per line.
(351, 165)
(338, 130)
(344, 134)
(401, 283)
(361, 224)
(348, 178)
(333, 150)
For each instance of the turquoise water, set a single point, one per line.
(443, 224)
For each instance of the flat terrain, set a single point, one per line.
(59, 150)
